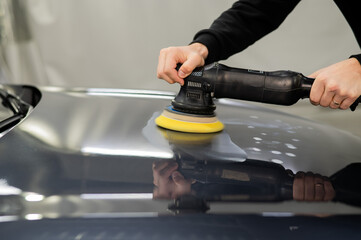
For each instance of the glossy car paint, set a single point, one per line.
(84, 156)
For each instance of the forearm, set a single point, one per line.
(242, 25)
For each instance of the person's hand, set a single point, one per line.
(312, 187)
(190, 57)
(169, 183)
(337, 86)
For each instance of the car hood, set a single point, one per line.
(94, 151)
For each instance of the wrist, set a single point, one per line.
(200, 48)
(357, 57)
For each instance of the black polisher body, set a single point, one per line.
(220, 81)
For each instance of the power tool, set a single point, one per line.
(193, 109)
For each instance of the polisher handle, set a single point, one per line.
(278, 87)
(220, 81)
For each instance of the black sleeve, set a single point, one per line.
(241, 25)
(351, 12)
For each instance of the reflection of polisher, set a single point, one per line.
(223, 173)
(192, 109)
(250, 181)
(253, 181)
(221, 169)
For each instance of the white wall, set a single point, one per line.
(115, 43)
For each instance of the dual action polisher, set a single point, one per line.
(193, 109)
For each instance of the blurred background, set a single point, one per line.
(115, 44)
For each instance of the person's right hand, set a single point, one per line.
(312, 187)
(190, 57)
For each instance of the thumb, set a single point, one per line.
(185, 70)
(177, 177)
(189, 65)
(315, 74)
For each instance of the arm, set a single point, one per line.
(237, 28)
(243, 24)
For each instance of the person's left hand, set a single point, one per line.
(169, 183)
(337, 86)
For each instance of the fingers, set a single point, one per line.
(162, 170)
(337, 86)
(182, 185)
(309, 187)
(326, 99)
(177, 177)
(190, 57)
(312, 187)
(190, 64)
(346, 103)
(298, 186)
(168, 169)
(328, 94)
(167, 63)
(317, 91)
(337, 101)
(318, 188)
(323, 93)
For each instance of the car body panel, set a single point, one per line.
(89, 154)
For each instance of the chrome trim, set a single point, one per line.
(115, 92)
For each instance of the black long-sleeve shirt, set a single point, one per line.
(249, 20)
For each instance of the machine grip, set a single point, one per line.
(220, 81)
(307, 84)
(278, 87)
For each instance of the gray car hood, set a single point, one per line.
(94, 148)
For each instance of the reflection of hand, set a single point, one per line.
(338, 85)
(312, 187)
(169, 183)
(190, 57)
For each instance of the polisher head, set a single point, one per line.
(186, 122)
